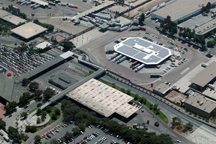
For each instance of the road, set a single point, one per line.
(169, 111)
(96, 52)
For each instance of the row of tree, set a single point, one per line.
(15, 11)
(48, 26)
(83, 117)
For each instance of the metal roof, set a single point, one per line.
(162, 88)
(205, 76)
(206, 27)
(181, 8)
(3, 13)
(142, 50)
(40, 2)
(66, 54)
(103, 99)
(28, 30)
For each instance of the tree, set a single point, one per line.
(39, 112)
(25, 82)
(15, 134)
(48, 93)
(113, 85)
(24, 115)
(155, 107)
(81, 126)
(2, 124)
(43, 115)
(31, 129)
(37, 139)
(142, 18)
(68, 136)
(203, 48)
(68, 45)
(24, 98)
(57, 111)
(128, 92)
(39, 104)
(38, 120)
(189, 126)
(33, 86)
(49, 109)
(176, 121)
(54, 116)
(210, 44)
(136, 96)
(54, 141)
(76, 130)
(143, 100)
(10, 106)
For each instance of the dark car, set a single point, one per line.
(157, 124)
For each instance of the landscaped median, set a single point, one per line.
(46, 116)
(141, 99)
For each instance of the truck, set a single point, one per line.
(23, 3)
(37, 6)
(72, 6)
(142, 28)
(134, 63)
(139, 67)
(63, 4)
(121, 60)
(117, 58)
(113, 56)
(6, 138)
(33, 5)
(135, 66)
(52, 3)
(155, 75)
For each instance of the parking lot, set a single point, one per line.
(91, 135)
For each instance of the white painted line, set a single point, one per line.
(184, 71)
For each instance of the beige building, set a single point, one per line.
(200, 105)
(103, 99)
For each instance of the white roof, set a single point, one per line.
(14, 19)
(142, 50)
(103, 99)
(28, 30)
(66, 54)
(43, 45)
(40, 2)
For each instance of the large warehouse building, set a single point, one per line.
(28, 31)
(181, 10)
(103, 99)
(143, 51)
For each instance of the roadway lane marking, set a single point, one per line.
(184, 71)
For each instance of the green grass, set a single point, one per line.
(160, 115)
(51, 120)
(51, 113)
(85, 72)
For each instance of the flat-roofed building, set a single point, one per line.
(200, 105)
(206, 28)
(204, 77)
(103, 99)
(43, 45)
(162, 89)
(181, 10)
(3, 13)
(28, 31)
(143, 51)
(14, 19)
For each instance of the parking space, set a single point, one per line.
(92, 135)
